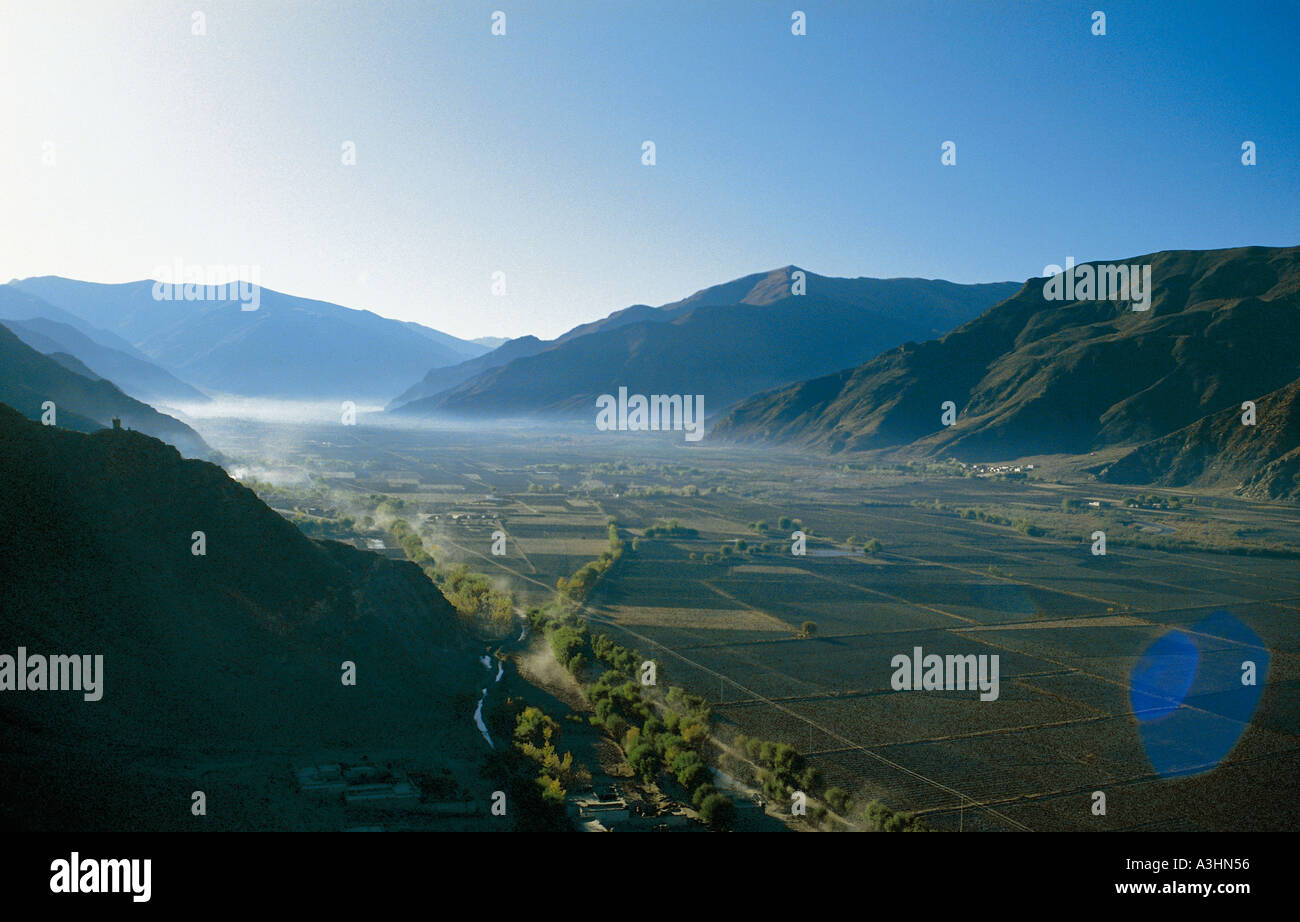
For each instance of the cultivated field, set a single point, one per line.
(1068, 627)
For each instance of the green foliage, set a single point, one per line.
(567, 642)
(1026, 527)
(879, 818)
(673, 529)
(717, 811)
(781, 767)
(689, 770)
(704, 790)
(536, 736)
(624, 661)
(1153, 501)
(473, 596)
(579, 585)
(408, 540)
(644, 761)
(687, 703)
(839, 800)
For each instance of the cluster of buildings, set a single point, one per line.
(465, 518)
(984, 470)
(367, 789)
(364, 785)
(609, 810)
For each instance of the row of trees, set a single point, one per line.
(871, 546)
(471, 594)
(579, 585)
(872, 815)
(411, 543)
(655, 741)
(671, 529)
(1153, 501)
(782, 769)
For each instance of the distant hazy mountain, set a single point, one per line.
(1034, 376)
(288, 347)
(17, 304)
(28, 379)
(137, 377)
(490, 342)
(228, 662)
(440, 379)
(726, 342)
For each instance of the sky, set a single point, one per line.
(128, 143)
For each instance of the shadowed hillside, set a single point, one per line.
(1032, 376)
(1261, 460)
(235, 653)
(141, 379)
(82, 401)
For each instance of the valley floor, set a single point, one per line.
(967, 565)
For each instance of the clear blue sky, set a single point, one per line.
(522, 153)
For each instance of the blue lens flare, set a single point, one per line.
(1163, 676)
(1194, 692)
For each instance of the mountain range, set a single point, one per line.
(1035, 376)
(82, 400)
(138, 377)
(288, 347)
(726, 342)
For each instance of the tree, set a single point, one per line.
(701, 793)
(808, 628)
(717, 811)
(644, 761)
(838, 798)
(689, 769)
(552, 792)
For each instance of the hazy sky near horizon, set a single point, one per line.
(522, 153)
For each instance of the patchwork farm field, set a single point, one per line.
(965, 565)
(1068, 628)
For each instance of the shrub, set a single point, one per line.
(717, 810)
(838, 798)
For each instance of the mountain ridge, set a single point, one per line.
(727, 341)
(289, 347)
(1031, 376)
(28, 380)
